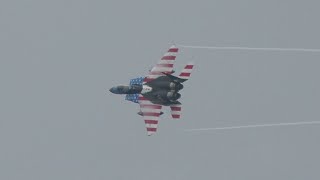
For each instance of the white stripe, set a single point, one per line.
(187, 70)
(145, 102)
(151, 118)
(161, 69)
(166, 62)
(153, 76)
(150, 133)
(184, 77)
(176, 112)
(170, 54)
(150, 110)
(151, 125)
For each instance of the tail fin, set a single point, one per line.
(186, 72)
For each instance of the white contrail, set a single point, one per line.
(256, 126)
(251, 48)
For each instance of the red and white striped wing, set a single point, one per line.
(176, 111)
(165, 65)
(150, 113)
(186, 72)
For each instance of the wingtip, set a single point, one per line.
(150, 133)
(173, 46)
(173, 49)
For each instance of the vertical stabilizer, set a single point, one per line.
(186, 72)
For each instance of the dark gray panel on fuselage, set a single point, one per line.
(160, 88)
(159, 83)
(155, 98)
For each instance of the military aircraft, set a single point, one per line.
(159, 88)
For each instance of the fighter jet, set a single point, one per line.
(159, 88)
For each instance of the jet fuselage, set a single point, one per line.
(162, 90)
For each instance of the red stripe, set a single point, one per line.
(173, 50)
(142, 98)
(175, 116)
(151, 114)
(150, 106)
(175, 108)
(185, 74)
(189, 67)
(164, 65)
(168, 58)
(148, 79)
(152, 129)
(151, 121)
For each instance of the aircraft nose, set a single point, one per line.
(113, 90)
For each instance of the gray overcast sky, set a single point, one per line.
(59, 58)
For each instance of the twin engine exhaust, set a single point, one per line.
(175, 86)
(173, 95)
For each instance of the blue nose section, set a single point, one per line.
(113, 90)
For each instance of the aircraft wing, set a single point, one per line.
(165, 65)
(150, 113)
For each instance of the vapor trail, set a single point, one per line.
(256, 126)
(251, 48)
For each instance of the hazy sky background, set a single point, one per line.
(59, 58)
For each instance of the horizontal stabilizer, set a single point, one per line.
(151, 114)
